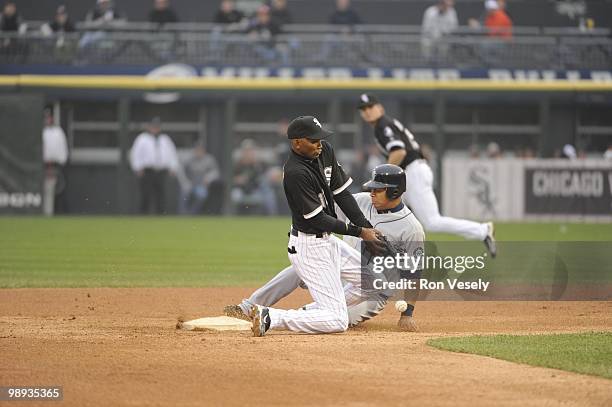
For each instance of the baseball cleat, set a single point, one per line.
(490, 239)
(260, 317)
(235, 311)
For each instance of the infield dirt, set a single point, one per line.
(120, 347)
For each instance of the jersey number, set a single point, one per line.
(400, 127)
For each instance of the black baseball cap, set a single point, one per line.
(307, 127)
(367, 100)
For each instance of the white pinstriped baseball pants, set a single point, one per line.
(321, 263)
(421, 199)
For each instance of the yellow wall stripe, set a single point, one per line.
(360, 84)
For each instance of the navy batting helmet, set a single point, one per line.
(387, 176)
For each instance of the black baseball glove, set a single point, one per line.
(380, 247)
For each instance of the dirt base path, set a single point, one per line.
(119, 347)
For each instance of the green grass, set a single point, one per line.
(587, 353)
(177, 252)
(551, 232)
(138, 252)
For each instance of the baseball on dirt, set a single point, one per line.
(401, 306)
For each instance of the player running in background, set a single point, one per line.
(384, 209)
(399, 147)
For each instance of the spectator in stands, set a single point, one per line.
(493, 150)
(497, 20)
(498, 26)
(262, 27)
(262, 30)
(153, 157)
(438, 20)
(279, 12)
(162, 13)
(55, 155)
(56, 28)
(364, 161)
(229, 20)
(282, 149)
(251, 189)
(61, 23)
(340, 45)
(202, 184)
(608, 153)
(10, 21)
(525, 153)
(529, 153)
(344, 14)
(275, 171)
(104, 15)
(227, 13)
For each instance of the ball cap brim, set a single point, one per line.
(307, 127)
(370, 185)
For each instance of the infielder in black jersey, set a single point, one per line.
(382, 207)
(313, 182)
(399, 147)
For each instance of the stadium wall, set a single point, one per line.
(543, 113)
(21, 169)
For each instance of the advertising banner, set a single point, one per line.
(568, 188)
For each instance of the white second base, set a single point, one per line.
(216, 324)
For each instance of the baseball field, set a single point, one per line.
(90, 304)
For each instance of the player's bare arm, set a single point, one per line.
(396, 157)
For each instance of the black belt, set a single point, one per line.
(295, 233)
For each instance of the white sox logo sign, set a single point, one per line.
(314, 119)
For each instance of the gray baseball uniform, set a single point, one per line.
(398, 225)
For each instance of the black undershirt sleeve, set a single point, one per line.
(326, 223)
(346, 202)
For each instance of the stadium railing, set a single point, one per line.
(327, 28)
(310, 45)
